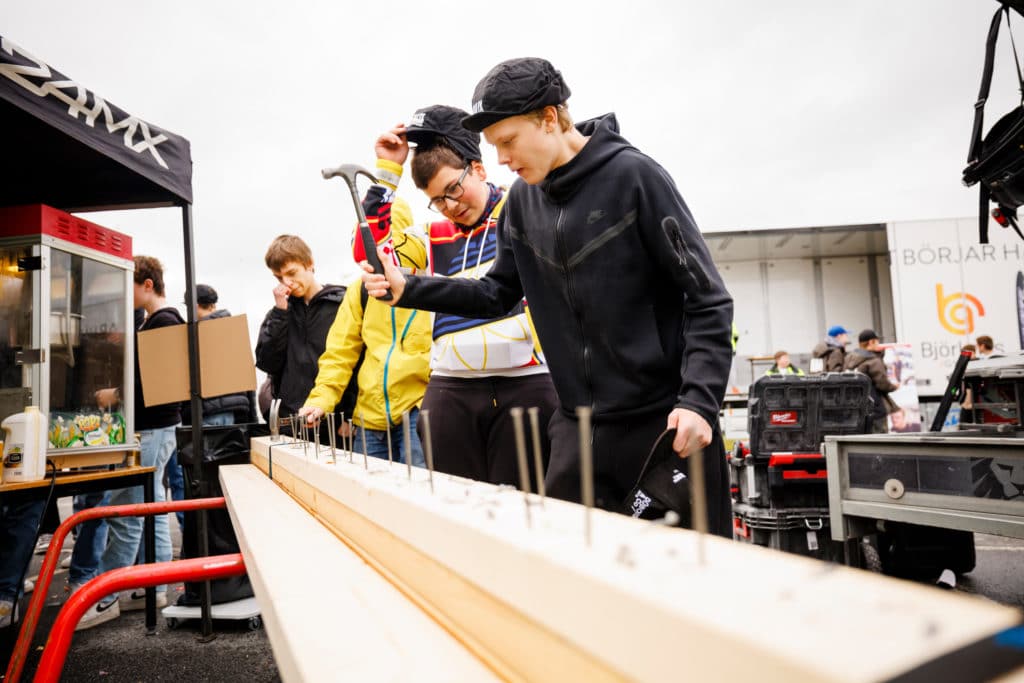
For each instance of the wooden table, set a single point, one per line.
(93, 481)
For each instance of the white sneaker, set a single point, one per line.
(7, 613)
(136, 600)
(66, 563)
(29, 585)
(43, 543)
(99, 614)
(70, 588)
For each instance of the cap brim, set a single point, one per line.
(419, 135)
(477, 122)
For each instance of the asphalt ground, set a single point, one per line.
(120, 650)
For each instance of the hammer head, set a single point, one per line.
(275, 423)
(349, 172)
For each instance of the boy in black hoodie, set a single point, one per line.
(631, 312)
(294, 332)
(155, 425)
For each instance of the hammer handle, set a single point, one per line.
(370, 249)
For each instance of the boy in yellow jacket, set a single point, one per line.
(393, 376)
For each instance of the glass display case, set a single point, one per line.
(66, 328)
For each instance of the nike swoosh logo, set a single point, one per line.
(101, 608)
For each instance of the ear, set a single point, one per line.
(550, 122)
(478, 170)
(148, 284)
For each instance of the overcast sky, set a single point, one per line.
(768, 114)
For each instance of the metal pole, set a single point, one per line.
(387, 430)
(583, 413)
(699, 508)
(428, 448)
(537, 459)
(197, 407)
(366, 459)
(524, 470)
(407, 443)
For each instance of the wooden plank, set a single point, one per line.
(637, 603)
(79, 477)
(330, 616)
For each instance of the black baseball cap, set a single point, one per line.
(514, 87)
(439, 121)
(866, 335)
(206, 295)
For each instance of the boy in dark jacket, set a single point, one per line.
(631, 313)
(294, 332)
(155, 426)
(868, 360)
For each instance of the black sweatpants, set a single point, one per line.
(620, 449)
(471, 427)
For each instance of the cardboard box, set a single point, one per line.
(226, 362)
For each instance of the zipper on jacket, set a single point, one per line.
(387, 364)
(395, 339)
(571, 293)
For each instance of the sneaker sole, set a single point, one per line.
(135, 604)
(101, 618)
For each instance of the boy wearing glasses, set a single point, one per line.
(631, 311)
(480, 368)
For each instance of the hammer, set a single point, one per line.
(275, 421)
(349, 172)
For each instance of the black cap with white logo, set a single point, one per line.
(514, 87)
(430, 123)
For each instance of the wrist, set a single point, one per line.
(388, 173)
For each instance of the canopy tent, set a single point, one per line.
(68, 147)
(65, 146)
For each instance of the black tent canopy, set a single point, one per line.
(65, 146)
(68, 147)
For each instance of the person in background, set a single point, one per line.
(783, 366)
(155, 425)
(238, 408)
(867, 358)
(900, 424)
(19, 523)
(832, 351)
(294, 332)
(986, 347)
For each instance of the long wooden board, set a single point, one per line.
(329, 616)
(537, 603)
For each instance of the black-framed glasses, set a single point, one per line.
(453, 192)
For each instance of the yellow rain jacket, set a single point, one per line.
(395, 370)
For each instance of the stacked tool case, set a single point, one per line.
(779, 482)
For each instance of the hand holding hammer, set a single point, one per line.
(349, 173)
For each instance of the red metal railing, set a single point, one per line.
(140, 576)
(49, 566)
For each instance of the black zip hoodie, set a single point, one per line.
(291, 342)
(630, 310)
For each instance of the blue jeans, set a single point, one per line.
(126, 542)
(91, 541)
(377, 442)
(18, 524)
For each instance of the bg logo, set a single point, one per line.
(958, 310)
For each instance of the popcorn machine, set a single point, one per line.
(66, 331)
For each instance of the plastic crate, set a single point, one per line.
(802, 531)
(785, 480)
(790, 413)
